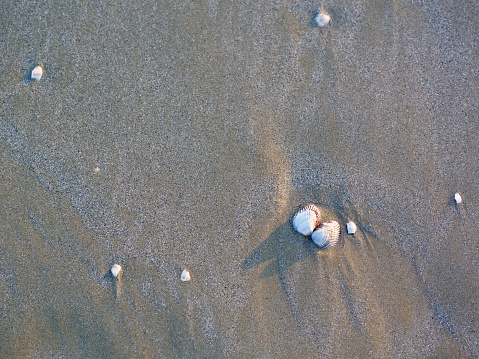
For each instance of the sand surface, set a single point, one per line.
(212, 122)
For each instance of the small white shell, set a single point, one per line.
(96, 170)
(115, 270)
(185, 276)
(322, 19)
(458, 198)
(37, 73)
(351, 226)
(327, 235)
(306, 220)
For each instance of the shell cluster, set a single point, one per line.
(307, 221)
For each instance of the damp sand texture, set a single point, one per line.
(171, 135)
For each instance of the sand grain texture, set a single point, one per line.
(212, 123)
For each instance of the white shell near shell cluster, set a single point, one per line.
(37, 73)
(322, 19)
(115, 270)
(327, 235)
(351, 227)
(306, 220)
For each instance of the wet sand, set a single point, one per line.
(212, 123)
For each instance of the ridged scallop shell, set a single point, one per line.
(327, 235)
(306, 220)
(322, 19)
(37, 73)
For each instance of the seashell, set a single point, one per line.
(37, 73)
(327, 235)
(306, 220)
(351, 226)
(185, 276)
(458, 198)
(322, 19)
(115, 270)
(96, 170)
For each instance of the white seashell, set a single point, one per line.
(115, 270)
(185, 276)
(327, 235)
(96, 170)
(322, 19)
(351, 226)
(37, 73)
(306, 220)
(458, 198)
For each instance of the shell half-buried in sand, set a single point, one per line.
(306, 220)
(322, 19)
(327, 235)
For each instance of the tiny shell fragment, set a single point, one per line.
(37, 73)
(185, 276)
(457, 198)
(115, 270)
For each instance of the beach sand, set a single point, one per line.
(211, 123)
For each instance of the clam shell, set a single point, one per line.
(306, 220)
(327, 235)
(351, 227)
(115, 270)
(37, 73)
(458, 198)
(322, 19)
(185, 276)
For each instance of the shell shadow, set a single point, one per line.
(284, 243)
(115, 283)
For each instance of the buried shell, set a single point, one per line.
(327, 235)
(306, 220)
(322, 19)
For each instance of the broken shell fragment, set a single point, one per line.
(185, 276)
(351, 227)
(327, 235)
(322, 19)
(37, 73)
(306, 220)
(115, 270)
(458, 198)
